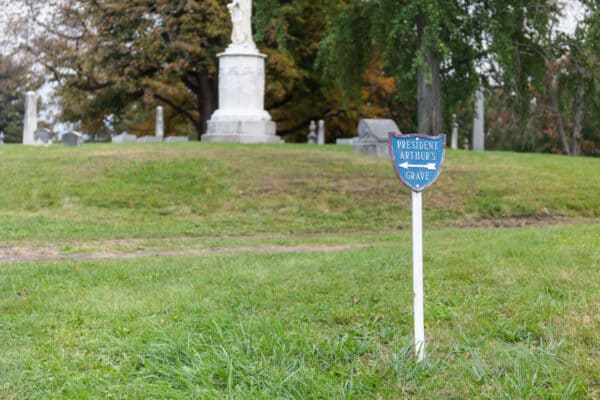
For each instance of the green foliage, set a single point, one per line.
(122, 54)
(12, 99)
(558, 70)
(333, 60)
(296, 90)
(390, 31)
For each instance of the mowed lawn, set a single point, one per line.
(511, 313)
(198, 190)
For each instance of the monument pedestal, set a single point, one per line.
(241, 117)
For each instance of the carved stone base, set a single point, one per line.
(241, 117)
(242, 132)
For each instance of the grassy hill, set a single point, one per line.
(294, 276)
(198, 190)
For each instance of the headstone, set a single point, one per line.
(159, 129)
(42, 137)
(176, 139)
(321, 134)
(478, 123)
(124, 138)
(373, 136)
(1, 137)
(466, 145)
(149, 139)
(346, 141)
(312, 133)
(30, 121)
(454, 144)
(72, 139)
(241, 116)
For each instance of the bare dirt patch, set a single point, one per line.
(27, 253)
(129, 248)
(524, 221)
(49, 254)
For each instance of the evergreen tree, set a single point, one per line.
(12, 99)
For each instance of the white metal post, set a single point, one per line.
(417, 225)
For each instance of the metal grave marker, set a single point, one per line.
(417, 160)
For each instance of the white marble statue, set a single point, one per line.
(241, 116)
(241, 17)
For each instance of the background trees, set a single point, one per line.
(118, 59)
(546, 79)
(413, 60)
(13, 79)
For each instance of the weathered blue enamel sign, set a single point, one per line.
(417, 158)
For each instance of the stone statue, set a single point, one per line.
(241, 17)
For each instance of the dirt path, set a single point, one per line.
(34, 254)
(130, 248)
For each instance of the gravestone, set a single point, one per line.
(454, 143)
(72, 139)
(478, 123)
(466, 145)
(149, 139)
(30, 120)
(312, 133)
(176, 139)
(346, 141)
(123, 138)
(42, 137)
(373, 136)
(1, 137)
(321, 134)
(159, 129)
(241, 116)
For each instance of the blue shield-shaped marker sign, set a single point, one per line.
(417, 158)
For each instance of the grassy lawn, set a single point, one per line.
(511, 313)
(194, 190)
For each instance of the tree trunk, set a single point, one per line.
(551, 92)
(578, 119)
(429, 93)
(207, 100)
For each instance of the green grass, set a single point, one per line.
(198, 190)
(510, 313)
(516, 319)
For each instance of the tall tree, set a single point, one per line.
(13, 78)
(118, 58)
(296, 93)
(559, 70)
(107, 55)
(430, 46)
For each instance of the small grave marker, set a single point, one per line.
(321, 132)
(72, 139)
(312, 133)
(417, 160)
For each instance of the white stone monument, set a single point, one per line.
(241, 116)
(321, 132)
(30, 121)
(312, 133)
(159, 129)
(478, 123)
(123, 138)
(454, 143)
